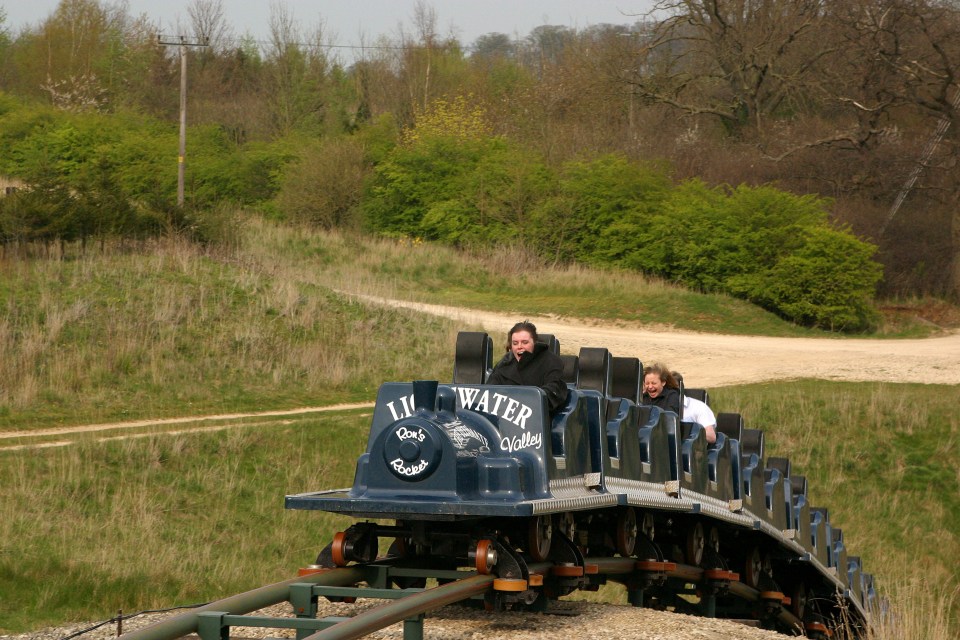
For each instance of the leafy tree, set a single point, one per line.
(492, 46)
(450, 180)
(495, 197)
(295, 76)
(39, 213)
(4, 45)
(416, 177)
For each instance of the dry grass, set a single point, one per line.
(882, 458)
(171, 329)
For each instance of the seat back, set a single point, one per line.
(594, 370)
(730, 425)
(571, 368)
(551, 341)
(474, 357)
(820, 535)
(751, 442)
(700, 394)
(626, 374)
(798, 484)
(780, 464)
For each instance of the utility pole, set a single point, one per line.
(183, 43)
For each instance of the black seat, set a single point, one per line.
(752, 443)
(550, 340)
(798, 484)
(780, 464)
(730, 425)
(626, 374)
(474, 357)
(700, 394)
(686, 428)
(594, 370)
(571, 368)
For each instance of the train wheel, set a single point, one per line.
(339, 549)
(486, 557)
(626, 532)
(713, 544)
(798, 600)
(753, 568)
(713, 540)
(567, 526)
(539, 536)
(696, 543)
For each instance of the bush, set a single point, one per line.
(828, 282)
(771, 247)
(324, 186)
(455, 190)
(602, 207)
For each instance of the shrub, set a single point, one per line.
(323, 187)
(607, 201)
(771, 247)
(455, 190)
(828, 282)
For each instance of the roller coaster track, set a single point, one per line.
(213, 621)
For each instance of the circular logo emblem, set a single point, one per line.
(411, 449)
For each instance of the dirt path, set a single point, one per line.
(186, 424)
(711, 360)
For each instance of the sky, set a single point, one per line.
(352, 22)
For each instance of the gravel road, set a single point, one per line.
(713, 360)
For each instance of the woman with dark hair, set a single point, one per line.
(528, 362)
(660, 388)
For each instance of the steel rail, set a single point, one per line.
(377, 618)
(612, 566)
(739, 589)
(395, 611)
(185, 623)
(415, 604)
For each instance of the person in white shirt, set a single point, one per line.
(696, 411)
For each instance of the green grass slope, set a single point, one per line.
(161, 518)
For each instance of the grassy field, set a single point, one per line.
(161, 519)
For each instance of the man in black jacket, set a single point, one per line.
(528, 362)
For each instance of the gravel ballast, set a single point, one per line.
(566, 619)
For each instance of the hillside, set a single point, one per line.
(128, 483)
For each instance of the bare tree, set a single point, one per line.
(860, 96)
(425, 23)
(740, 61)
(297, 71)
(915, 49)
(209, 24)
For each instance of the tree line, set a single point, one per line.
(848, 103)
